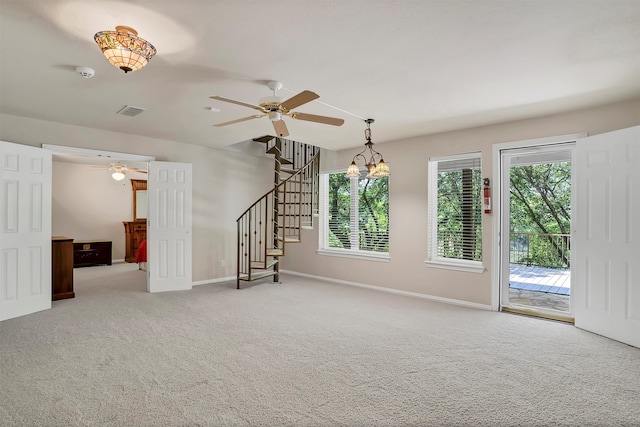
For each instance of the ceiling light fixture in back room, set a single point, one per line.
(124, 49)
(118, 171)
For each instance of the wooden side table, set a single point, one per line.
(91, 252)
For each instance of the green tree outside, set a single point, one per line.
(540, 206)
(373, 213)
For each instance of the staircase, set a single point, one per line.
(277, 218)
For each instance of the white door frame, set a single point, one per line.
(105, 157)
(497, 196)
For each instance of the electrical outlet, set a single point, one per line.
(222, 263)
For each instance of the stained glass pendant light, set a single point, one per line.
(376, 167)
(124, 49)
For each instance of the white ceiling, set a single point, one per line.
(416, 67)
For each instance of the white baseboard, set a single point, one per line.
(212, 281)
(394, 291)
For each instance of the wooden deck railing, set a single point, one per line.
(542, 250)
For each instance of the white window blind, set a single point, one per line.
(356, 213)
(456, 208)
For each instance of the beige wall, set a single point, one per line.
(408, 159)
(224, 183)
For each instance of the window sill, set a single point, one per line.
(456, 264)
(369, 256)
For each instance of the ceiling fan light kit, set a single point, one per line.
(118, 171)
(275, 109)
(274, 116)
(376, 167)
(124, 49)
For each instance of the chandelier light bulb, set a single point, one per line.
(353, 170)
(382, 169)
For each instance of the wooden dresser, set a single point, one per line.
(91, 252)
(135, 233)
(61, 268)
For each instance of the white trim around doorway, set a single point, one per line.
(497, 197)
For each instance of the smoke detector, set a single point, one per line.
(85, 72)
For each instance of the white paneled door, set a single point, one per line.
(169, 226)
(25, 234)
(607, 235)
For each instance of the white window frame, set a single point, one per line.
(323, 229)
(433, 259)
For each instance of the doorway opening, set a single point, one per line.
(90, 205)
(535, 225)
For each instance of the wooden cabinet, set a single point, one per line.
(135, 233)
(61, 268)
(91, 252)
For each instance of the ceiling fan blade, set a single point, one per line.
(318, 119)
(244, 119)
(244, 104)
(137, 170)
(299, 99)
(281, 128)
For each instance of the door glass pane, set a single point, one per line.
(539, 201)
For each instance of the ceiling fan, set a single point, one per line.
(275, 109)
(119, 170)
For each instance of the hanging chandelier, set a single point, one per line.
(124, 49)
(376, 167)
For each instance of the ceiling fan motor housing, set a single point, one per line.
(271, 102)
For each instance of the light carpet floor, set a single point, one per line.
(301, 353)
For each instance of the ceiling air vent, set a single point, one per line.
(130, 111)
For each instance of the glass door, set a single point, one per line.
(536, 230)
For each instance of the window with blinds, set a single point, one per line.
(356, 214)
(456, 208)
